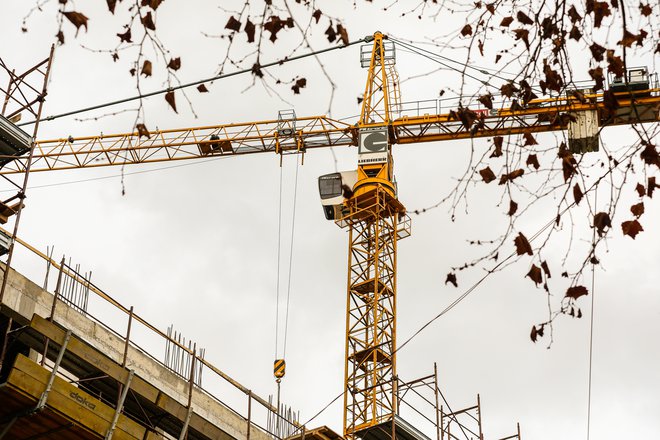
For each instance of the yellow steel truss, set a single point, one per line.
(370, 366)
(378, 97)
(376, 219)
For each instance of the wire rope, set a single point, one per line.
(419, 52)
(429, 54)
(591, 330)
(279, 253)
(196, 83)
(293, 228)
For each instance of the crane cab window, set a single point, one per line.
(330, 186)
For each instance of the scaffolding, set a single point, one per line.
(84, 375)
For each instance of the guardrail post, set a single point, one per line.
(5, 341)
(52, 309)
(191, 382)
(249, 414)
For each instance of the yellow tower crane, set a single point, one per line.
(364, 200)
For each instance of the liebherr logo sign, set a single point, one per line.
(373, 145)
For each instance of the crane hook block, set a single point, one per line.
(279, 367)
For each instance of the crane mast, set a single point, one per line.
(372, 217)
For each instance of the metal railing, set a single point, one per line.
(257, 411)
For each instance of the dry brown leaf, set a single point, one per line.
(576, 291)
(506, 21)
(651, 186)
(546, 269)
(574, 15)
(533, 161)
(597, 75)
(233, 24)
(486, 100)
(601, 222)
(650, 154)
(300, 83)
(487, 174)
(522, 34)
(533, 334)
(597, 51)
(631, 228)
(250, 30)
(645, 9)
(522, 245)
(142, 131)
(343, 34)
(256, 70)
(497, 142)
(600, 10)
(77, 19)
(146, 68)
(513, 207)
(511, 176)
(175, 63)
(451, 278)
(535, 274)
(615, 64)
(125, 37)
(577, 194)
(169, 97)
(523, 18)
(638, 209)
(508, 89)
(153, 4)
(628, 38)
(529, 139)
(148, 21)
(575, 33)
(330, 33)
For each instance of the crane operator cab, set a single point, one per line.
(334, 190)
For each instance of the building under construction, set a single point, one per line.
(67, 372)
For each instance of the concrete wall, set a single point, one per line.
(23, 298)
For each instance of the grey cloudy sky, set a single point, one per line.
(196, 245)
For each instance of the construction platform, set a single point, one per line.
(64, 375)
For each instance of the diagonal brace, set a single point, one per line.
(51, 379)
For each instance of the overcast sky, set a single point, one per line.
(196, 245)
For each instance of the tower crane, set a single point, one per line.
(363, 201)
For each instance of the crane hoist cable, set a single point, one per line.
(293, 229)
(591, 328)
(289, 277)
(279, 253)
